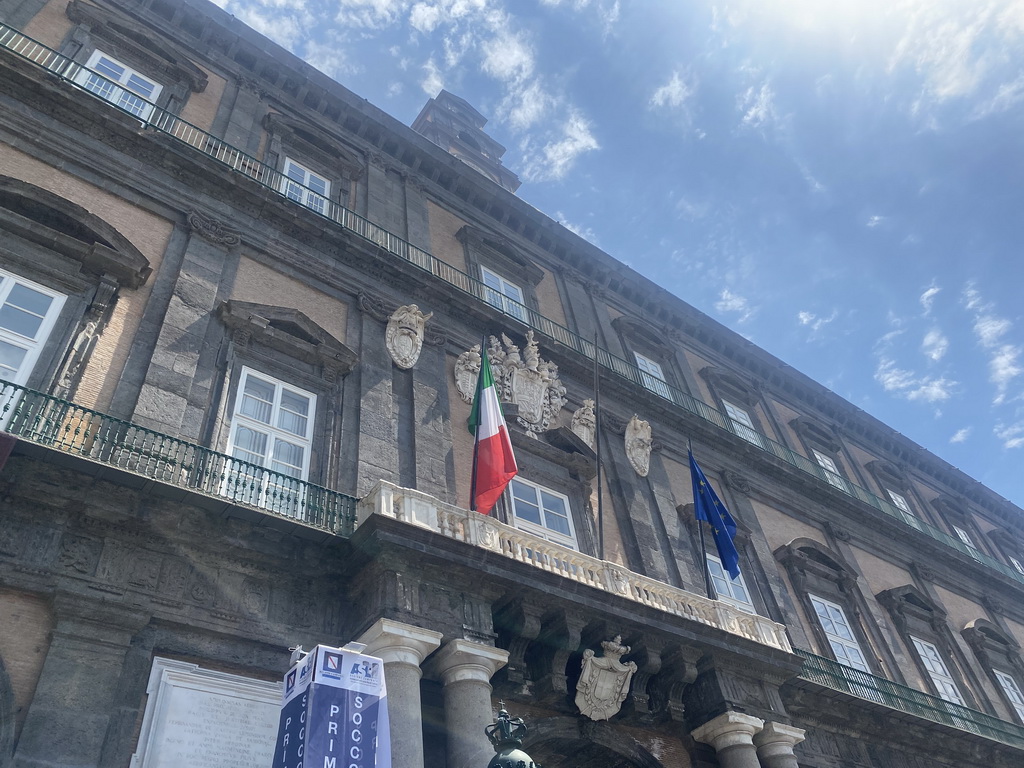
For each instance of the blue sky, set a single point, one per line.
(840, 182)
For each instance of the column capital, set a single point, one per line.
(776, 740)
(463, 660)
(395, 642)
(730, 729)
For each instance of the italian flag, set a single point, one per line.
(493, 463)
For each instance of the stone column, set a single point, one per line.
(466, 669)
(402, 648)
(775, 745)
(731, 734)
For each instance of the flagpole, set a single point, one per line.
(700, 533)
(597, 443)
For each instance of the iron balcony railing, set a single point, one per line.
(64, 426)
(158, 119)
(839, 677)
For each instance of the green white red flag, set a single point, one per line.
(494, 465)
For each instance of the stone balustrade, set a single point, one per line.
(420, 509)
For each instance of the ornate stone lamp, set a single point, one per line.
(506, 734)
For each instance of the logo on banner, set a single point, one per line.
(332, 665)
(289, 683)
(365, 671)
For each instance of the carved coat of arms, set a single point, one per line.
(404, 335)
(605, 680)
(638, 445)
(520, 377)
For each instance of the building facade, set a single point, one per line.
(241, 312)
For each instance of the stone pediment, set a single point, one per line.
(287, 330)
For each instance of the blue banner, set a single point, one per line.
(334, 713)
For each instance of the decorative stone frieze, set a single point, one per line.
(214, 230)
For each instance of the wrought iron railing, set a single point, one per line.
(839, 677)
(64, 426)
(165, 122)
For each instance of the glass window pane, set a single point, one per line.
(18, 321)
(288, 458)
(11, 357)
(108, 68)
(258, 399)
(250, 445)
(142, 87)
(294, 411)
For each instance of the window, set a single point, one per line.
(742, 425)
(119, 84)
(305, 187)
(272, 431)
(542, 512)
(901, 503)
(500, 293)
(27, 314)
(839, 634)
(651, 375)
(941, 679)
(1012, 691)
(1017, 564)
(964, 536)
(846, 649)
(727, 589)
(831, 470)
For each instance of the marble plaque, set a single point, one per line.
(204, 719)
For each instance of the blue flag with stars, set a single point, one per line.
(708, 507)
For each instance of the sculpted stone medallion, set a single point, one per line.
(638, 445)
(604, 682)
(404, 335)
(467, 368)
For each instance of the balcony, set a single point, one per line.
(839, 677)
(116, 445)
(419, 509)
(558, 336)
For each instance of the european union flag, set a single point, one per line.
(707, 506)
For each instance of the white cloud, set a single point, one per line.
(673, 94)
(928, 297)
(731, 302)
(558, 155)
(935, 345)
(525, 105)
(908, 385)
(757, 105)
(1004, 358)
(585, 232)
(874, 221)
(425, 17)
(433, 82)
(1012, 435)
(508, 57)
(815, 322)
(960, 435)
(372, 14)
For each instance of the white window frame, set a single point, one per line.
(652, 376)
(503, 294)
(521, 485)
(1018, 566)
(1012, 691)
(832, 475)
(900, 502)
(964, 537)
(727, 589)
(742, 424)
(282, 496)
(121, 89)
(32, 345)
(845, 647)
(938, 672)
(305, 187)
